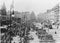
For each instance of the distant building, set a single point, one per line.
(3, 9)
(50, 15)
(23, 15)
(59, 12)
(0, 12)
(0, 15)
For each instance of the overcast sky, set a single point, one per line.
(31, 5)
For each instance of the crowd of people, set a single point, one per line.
(24, 32)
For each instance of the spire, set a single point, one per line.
(12, 8)
(3, 9)
(12, 5)
(3, 6)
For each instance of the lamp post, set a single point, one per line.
(11, 16)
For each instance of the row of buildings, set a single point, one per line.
(24, 15)
(51, 14)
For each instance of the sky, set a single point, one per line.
(30, 5)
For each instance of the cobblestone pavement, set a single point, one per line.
(35, 40)
(55, 36)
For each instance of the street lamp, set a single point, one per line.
(11, 16)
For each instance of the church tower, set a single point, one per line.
(3, 9)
